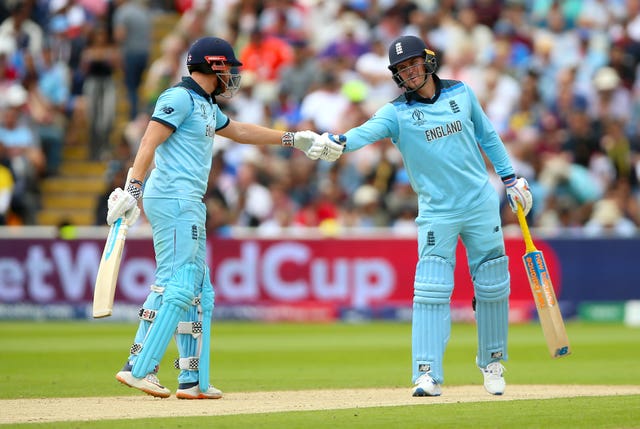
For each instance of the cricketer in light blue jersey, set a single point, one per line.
(441, 131)
(183, 162)
(179, 139)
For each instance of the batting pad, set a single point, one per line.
(431, 321)
(193, 338)
(178, 297)
(491, 285)
(149, 308)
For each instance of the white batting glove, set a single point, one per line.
(122, 204)
(334, 145)
(306, 141)
(518, 192)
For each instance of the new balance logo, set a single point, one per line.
(424, 367)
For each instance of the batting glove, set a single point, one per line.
(122, 204)
(334, 145)
(306, 141)
(518, 192)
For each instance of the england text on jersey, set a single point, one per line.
(443, 130)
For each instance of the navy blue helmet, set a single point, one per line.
(212, 55)
(407, 47)
(212, 51)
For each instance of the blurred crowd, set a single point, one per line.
(558, 79)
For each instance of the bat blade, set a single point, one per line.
(104, 291)
(546, 304)
(107, 277)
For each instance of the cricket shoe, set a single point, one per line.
(426, 386)
(493, 379)
(192, 391)
(149, 384)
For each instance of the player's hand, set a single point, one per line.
(518, 192)
(309, 143)
(334, 145)
(122, 204)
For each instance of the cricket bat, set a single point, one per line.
(107, 278)
(543, 294)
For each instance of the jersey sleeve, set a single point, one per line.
(222, 120)
(173, 106)
(488, 138)
(383, 124)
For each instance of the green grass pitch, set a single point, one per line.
(77, 359)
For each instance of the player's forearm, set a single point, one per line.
(247, 133)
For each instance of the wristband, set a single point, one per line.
(135, 191)
(509, 180)
(287, 139)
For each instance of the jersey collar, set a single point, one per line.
(413, 97)
(189, 83)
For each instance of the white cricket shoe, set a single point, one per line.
(493, 379)
(426, 386)
(194, 392)
(149, 384)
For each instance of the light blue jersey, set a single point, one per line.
(183, 161)
(439, 140)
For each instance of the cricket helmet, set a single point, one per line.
(405, 48)
(212, 55)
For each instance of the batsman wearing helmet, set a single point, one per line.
(180, 138)
(441, 131)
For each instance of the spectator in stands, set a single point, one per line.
(132, 32)
(100, 60)
(546, 120)
(6, 186)
(49, 84)
(265, 56)
(314, 110)
(607, 220)
(368, 208)
(297, 77)
(251, 202)
(284, 19)
(165, 70)
(372, 68)
(348, 45)
(611, 100)
(27, 161)
(24, 34)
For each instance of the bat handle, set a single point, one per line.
(522, 219)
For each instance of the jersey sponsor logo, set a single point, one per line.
(443, 130)
(167, 110)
